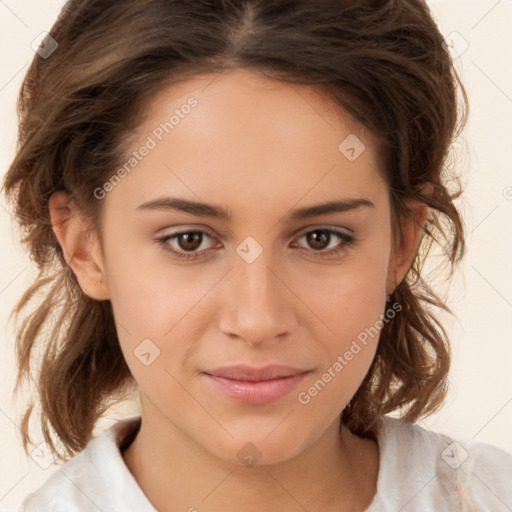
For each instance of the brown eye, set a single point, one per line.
(185, 244)
(318, 239)
(190, 241)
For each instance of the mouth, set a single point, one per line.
(255, 386)
(251, 374)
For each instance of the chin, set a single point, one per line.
(256, 450)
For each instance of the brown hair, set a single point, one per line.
(382, 61)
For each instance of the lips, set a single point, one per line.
(248, 373)
(255, 386)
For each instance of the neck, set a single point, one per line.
(338, 472)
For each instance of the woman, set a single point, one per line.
(240, 197)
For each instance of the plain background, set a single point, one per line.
(479, 405)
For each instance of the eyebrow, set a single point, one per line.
(218, 212)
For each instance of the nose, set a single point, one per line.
(260, 305)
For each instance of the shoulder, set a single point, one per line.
(486, 477)
(94, 479)
(425, 470)
(63, 489)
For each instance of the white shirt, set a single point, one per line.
(419, 471)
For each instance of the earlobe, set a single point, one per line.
(79, 245)
(413, 229)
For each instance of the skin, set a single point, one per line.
(259, 149)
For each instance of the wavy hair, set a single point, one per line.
(382, 61)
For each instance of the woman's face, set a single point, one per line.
(274, 269)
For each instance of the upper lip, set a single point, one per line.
(249, 373)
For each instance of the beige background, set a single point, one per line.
(480, 402)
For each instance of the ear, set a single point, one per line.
(80, 245)
(405, 253)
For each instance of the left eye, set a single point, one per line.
(319, 240)
(188, 243)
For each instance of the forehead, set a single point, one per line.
(238, 134)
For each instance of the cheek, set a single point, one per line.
(149, 293)
(155, 321)
(349, 298)
(157, 306)
(350, 302)
(351, 305)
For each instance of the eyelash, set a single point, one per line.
(347, 239)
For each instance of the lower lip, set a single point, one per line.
(256, 393)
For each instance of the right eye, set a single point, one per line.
(186, 245)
